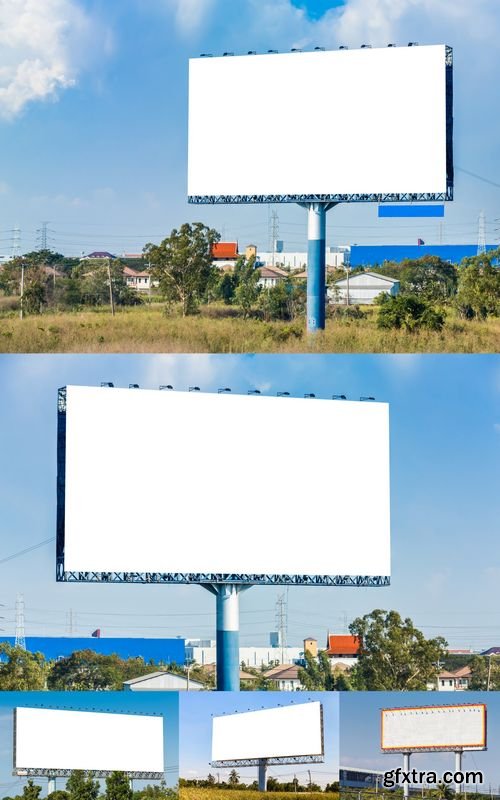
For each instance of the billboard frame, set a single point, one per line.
(405, 197)
(451, 748)
(42, 772)
(195, 578)
(275, 760)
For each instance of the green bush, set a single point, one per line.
(409, 313)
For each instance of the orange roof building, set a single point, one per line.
(342, 645)
(224, 250)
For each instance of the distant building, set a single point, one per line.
(140, 281)
(255, 657)
(163, 681)
(158, 651)
(297, 260)
(97, 254)
(5, 259)
(225, 255)
(311, 646)
(286, 677)
(364, 288)
(271, 276)
(360, 778)
(457, 680)
(376, 255)
(275, 638)
(493, 651)
(343, 649)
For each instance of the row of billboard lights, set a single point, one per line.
(226, 390)
(300, 50)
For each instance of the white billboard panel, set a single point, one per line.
(196, 484)
(56, 739)
(290, 731)
(453, 727)
(319, 123)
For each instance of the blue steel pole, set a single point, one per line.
(228, 638)
(316, 264)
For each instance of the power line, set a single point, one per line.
(26, 550)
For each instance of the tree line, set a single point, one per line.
(394, 656)
(273, 784)
(185, 277)
(83, 786)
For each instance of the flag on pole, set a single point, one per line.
(420, 242)
(97, 633)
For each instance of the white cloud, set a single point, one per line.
(190, 15)
(42, 49)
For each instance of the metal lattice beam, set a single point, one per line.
(254, 762)
(35, 772)
(201, 577)
(406, 197)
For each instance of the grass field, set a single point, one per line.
(191, 793)
(147, 329)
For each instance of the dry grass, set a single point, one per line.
(148, 329)
(191, 793)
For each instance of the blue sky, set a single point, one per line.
(93, 114)
(445, 438)
(165, 703)
(196, 711)
(360, 741)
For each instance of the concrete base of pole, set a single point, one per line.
(263, 775)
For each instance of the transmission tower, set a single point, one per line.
(273, 231)
(16, 242)
(481, 235)
(20, 639)
(282, 622)
(42, 235)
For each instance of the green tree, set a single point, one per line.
(21, 670)
(82, 786)
(118, 787)
(285, 301)
(478, 294)
(88, 670)
(58, 794)
(408, 312)
(247, 289)
(481, 667)
(31, 791)
(182, 263)
(428, 278)
(91, 278)
(394, 654)
(317, 674)
(234, 778)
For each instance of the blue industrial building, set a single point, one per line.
(159, 651)
(375, 255)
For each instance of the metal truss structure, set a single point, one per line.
(407, 197)
(34, 772)
(254, 762)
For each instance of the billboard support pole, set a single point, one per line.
(262, 774)
(316, 263)
(51, 784)
(458, 768)
(228, 634)
(406, 768)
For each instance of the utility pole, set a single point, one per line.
(21, 303)
(42, 235)
(273, 230)
(111, 298)
(16, 242)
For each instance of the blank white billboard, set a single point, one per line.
(284, 732)
(350, 121)
(93, 741)
(194, 483)
(450, 727)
